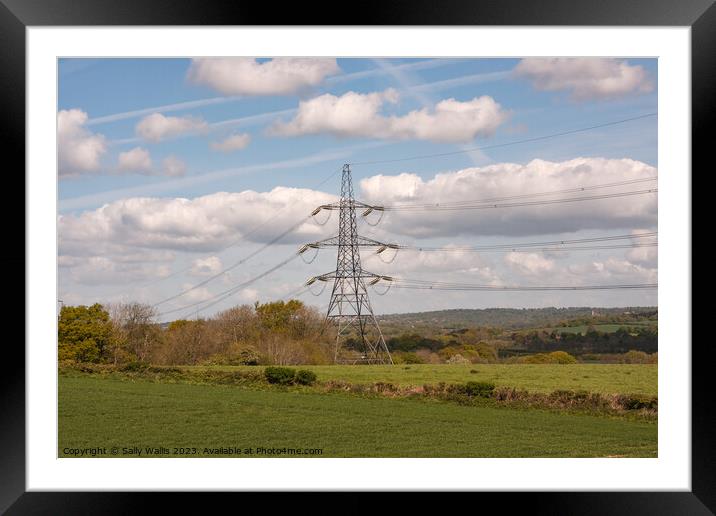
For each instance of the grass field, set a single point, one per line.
(104, 412)
(601, 378)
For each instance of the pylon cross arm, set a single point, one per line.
(335, 241)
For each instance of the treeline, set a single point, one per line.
(592, 341)
(514, 317)
(488, 345)
(290, 333)
(280, 333)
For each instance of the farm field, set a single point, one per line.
(601, 378)
(107, 412)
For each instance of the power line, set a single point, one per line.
(481, 204)
(235, 264)
(498, 145)
(527, 289)
(539, 249)
(235, 289)
(484, 205)
(520, 196)
(217, 298)
(517, 245)
(232, 244)
(404, 283)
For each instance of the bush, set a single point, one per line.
(306, 377)
(636, 402)
(479, 389)
(561, 357)
(132, 367)
(248, 356)
(457, 359)
(280, 375)
(636, 357)
(555, 357)
(408, 358)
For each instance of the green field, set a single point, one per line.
(105, 412)
(601, 378)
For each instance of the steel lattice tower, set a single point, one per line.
(349, 307)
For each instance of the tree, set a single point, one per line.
(187, 342)
(135, 333)
(279, 315)
(237, 325)
(84, 333)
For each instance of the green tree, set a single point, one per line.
(83, 333)
(279, 315)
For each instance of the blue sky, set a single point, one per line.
(151, 128)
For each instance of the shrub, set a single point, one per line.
(411, 358)
(479, 389)
(636, 402)
(457, 359)
(132, 367)
(561, 357)
(164, 370)
(248, 356)
(306, 377)
(635, 357)
(280, 375)
(486, 352)
(555, 357)
(385, 387)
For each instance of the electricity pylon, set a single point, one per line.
(349, 308)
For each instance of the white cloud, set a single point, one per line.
(248, 295)
(210, 222)
(410, 263)
(139, 160)
(246, 76)
(173, 167)
(92, 270)
(586, 78)
(157, 127)
(413, 259)
(135, 160)
(358, 114)
(509, 179)
(194, 296)
(645, 256)
(79, 150)
(206, 266)
(325, 156)
(614, 269)
(206, 223)
(531, 264)
(232, 143)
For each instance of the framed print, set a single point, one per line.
(419, 252)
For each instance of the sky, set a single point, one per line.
(174, 174)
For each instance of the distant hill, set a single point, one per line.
(509, 318)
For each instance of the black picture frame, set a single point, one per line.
(16, 15)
